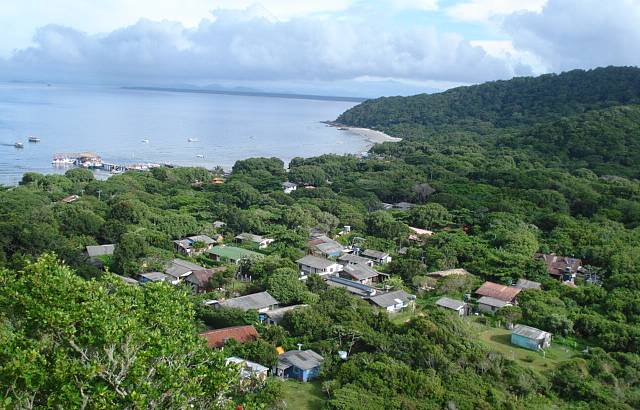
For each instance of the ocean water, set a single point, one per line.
(114, 122)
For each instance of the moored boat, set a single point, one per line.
(18, 145)
(34, 139)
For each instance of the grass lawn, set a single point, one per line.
(303, 396)
(500, 340)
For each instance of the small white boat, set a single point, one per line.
(146, 141)
(200, 156)
(34, 139)
(18, 145)
(193, 140)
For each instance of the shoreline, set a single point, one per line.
(370, 135)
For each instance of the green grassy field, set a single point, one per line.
(303, 396)
(500, 341)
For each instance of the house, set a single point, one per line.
(248, 369)
(322, 245)
(527, 284)
(491, 305)
(261, 302)
(378, 257)
(393, 301)
(497, 291)
(444, 273)
(69, 199)
(257, 240)
(194, 245)
(351, 259)
(402, 206)
(93, 251)
(275, 316)
(354, 287)
(289, 187)
(241, 334)
(217, 181)
(223, 253)
(149, 277)
(361, 273)
(301, 365)
(219, 224)
(530, 337)
(313, 264)
(560, 267)
(418, 234)
(452, 304)
(179, 269)
(199, 279)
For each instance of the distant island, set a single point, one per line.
(249, 94)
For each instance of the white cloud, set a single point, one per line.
(251, 45)
(583, 34)
(483, 10)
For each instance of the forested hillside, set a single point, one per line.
(517, 102)
(494, 191)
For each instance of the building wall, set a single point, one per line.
(487, 309)
(524, 342)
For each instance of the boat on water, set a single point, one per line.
(18, 145)
(193, 140)
(62, 161)
(146, 141)
(343, 129)
(34, 139)
(200, 156)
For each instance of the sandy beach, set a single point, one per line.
(373, 136)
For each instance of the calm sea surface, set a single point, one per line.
(113, 122)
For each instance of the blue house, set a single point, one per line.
(301, 365)
(530, 337)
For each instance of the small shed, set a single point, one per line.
(487, 304)
(379, 257)
(393, 301)
(530, 337)
(301, 365)
(452, 304)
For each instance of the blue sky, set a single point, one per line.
(355, 47)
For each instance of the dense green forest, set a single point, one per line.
(498, 171)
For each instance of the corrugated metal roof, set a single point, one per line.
(360, 272)
(495, 290)
(250, 302)
(389, 299)
(100, 250)
(489, 301)
(527, 284)
(302, 359)
(450, 303)
(242, 334)
(530, 332)
(371, 253)
(315, 262)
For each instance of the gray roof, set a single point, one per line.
(289, 185)
(329, 247)
(254, 301)
(278, 314)
(250, 237)
(201, 238)
(351, 258)
(302, 359)
(180, 267)
(351, 286)
(100, 250)
(315, 262)
(247, 367)
(360, 272)
(154, 276)
(371, 253)
(390, 299)
(450, 303)
(527, 284)
(489, 301)
(530, 332)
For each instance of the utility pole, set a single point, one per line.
(99, 192)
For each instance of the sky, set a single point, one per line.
(332, 47)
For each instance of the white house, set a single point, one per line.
(289, 187)
(379, 257)
(452, 304)
(314, 264)
(260, 241)
(393, 301)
